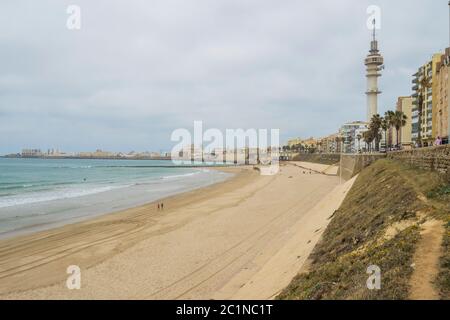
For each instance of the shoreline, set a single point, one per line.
(181, 166)
(81, 158)
(66, 231)
(207, 243)
(36, 216)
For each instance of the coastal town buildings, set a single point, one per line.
(293, 142)
(31, 153)
(350, 133)
(330, 144)
(405, 105)
(425, 88)
(310, 142)
(427, 110)
(442, 110)
(98, 154)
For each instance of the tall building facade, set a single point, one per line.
(330, 144)
(309, 143)
(442, 111)
(350, 132)
(404, 104)
(425, 103)
(374, 63)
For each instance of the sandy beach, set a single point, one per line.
(218, 242)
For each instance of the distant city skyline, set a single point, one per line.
(135, 72)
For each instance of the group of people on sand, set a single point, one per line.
(161, 206)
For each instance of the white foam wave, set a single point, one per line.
(180, 175)
(54, 195)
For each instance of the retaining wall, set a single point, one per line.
(431, 158)
(323, 158)
(352, 164)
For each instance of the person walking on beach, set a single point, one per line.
(162, 206)
(158, 207)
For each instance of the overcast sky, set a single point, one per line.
(137, 70)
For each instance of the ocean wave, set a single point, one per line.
(180, 175)
(73, 167)
(23, 185)
(44, 188)
(54, 195)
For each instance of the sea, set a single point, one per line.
(39, 194)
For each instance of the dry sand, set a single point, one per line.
(250, 233)
(322, 168)
(426, 261)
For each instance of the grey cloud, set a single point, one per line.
(138, 70)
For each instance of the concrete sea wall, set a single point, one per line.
(352, 164)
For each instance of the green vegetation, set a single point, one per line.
(443, 280)
(440, 197)
(377, 224)
(345, 277)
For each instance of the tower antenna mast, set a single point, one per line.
(374, 24)
(374, 62)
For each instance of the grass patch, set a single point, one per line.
(440, 198)
(385, 193)
(439, 192)
(345, 278)
(443, 280)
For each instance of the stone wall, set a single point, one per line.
(352, 164)
(432, 158)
